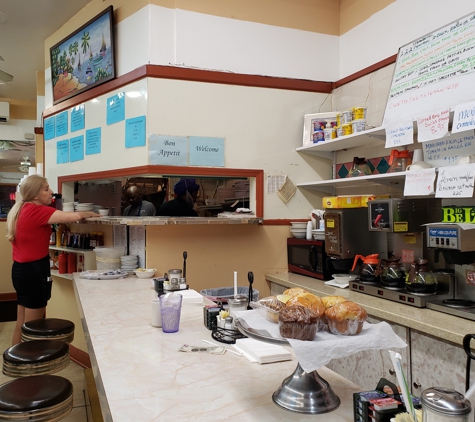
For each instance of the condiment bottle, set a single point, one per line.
(71, 263)
(309, 230)
(63, 263)
(59, 235)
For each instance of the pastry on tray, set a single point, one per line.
(294, 291)
(346, 318)
(298, 322)
(330, 301)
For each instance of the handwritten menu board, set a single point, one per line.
(434, 72)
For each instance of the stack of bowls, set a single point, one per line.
(68, 206)
(298, 229)
(86, 206)
(129, 263)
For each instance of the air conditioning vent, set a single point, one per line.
(4, 112)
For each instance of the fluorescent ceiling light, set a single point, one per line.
(5, 77)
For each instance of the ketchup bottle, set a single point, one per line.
(63, 263)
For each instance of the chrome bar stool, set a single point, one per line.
(35, 357)
(48, 328)
(40, 398)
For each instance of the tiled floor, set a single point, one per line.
(73, 372)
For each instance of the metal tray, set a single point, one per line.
(262, 335)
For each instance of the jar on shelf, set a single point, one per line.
(63, 263)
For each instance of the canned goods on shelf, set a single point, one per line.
(347, 129)
(346, 117)
(359, 113)
(358, 125)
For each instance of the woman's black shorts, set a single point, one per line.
(32, 282)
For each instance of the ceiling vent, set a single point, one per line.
(4, 112)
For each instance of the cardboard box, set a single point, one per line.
(350, 201)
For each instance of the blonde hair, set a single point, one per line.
(29, 190)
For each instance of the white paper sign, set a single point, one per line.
(400, 133)
(419, 182)
(447, 151)
(433, 125)
(455, 181)
(464, 117)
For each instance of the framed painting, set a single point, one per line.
(84, 59)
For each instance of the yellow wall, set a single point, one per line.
(5, 261)
(216, 251)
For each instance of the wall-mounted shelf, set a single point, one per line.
(89, 259)
(161, 221)
(329, 186)
(373, 136)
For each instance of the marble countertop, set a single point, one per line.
(437, 324)
(141, 375)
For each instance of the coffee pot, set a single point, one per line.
(399, 160)
(420, 278)
(369, 269)
(392, 273)
(359, 168)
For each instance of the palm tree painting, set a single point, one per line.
(84, 59)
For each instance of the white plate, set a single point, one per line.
(343, 278)
(334, 284)
(102, 275)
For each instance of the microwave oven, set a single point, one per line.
(308, 257)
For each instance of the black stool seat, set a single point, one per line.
(35, 357)
(50, 328)
(41, 398)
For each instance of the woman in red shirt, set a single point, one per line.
(29, 230)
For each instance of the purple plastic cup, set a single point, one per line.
(170, 309)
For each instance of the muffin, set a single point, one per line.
(330, 301)
(270, 306)
(346, 318)
(308, 300)
(298, 322)
(294, 291)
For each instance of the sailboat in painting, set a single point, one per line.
(103, 49)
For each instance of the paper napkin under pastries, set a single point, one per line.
(261, 352)
(326, 346)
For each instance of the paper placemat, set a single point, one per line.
(326, 346)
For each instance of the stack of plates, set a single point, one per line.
(129, 263)
(86, 206)
(68, 206)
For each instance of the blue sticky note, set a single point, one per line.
(76, 148)
(135, 132)
(116, 108)
(48, 132)
(206, 151)
(168, 150)
(62, 152)
(62, 123)
(77, 118)
(93, 141)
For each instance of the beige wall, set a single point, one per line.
(216, 251)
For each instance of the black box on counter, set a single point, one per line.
(363, 404)
(209, 315)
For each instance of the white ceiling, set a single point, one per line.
(28, 23)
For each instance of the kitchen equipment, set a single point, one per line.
(445, 291)
(400, 215)
(173, 282)
(237, 303)
(392, 273)
(250, 277)
(308, 258)
(399, 160)
(347, 234)
(441, 404)
(359, 168)
(368, 271)
(185, 255)
(420, 278)
(468, 350)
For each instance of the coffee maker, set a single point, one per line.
(347, 234)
